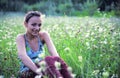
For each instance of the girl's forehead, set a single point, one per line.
(35, 19)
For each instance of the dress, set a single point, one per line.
(34, 55)
(51, 70)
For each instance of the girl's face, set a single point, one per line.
(34, 25)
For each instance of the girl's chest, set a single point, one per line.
(34, 46)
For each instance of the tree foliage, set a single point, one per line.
(61, 6)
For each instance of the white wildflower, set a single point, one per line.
(37, 60)
(57, 65)
(95, 72)
(100, 30)
(12, 76)
(69, 69)
(114, 76)
(42, 55)
(105, 74)
(87, 35)
(80, 58)
(38, 76)
(67, 49)
(42, 65)
(105, 41)
(1, 76)
(73, 75)
(1, 54)
(39, 70)
(88, 44)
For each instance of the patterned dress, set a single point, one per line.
(25, 72)
(51, 70)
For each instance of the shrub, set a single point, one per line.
(89, 7)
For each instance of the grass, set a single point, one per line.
(90, 45)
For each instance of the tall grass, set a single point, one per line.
(90, 45)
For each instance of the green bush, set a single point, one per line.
(38, 6)
(65, 8)
(104, 14)
(76, 13)
(117, 10)
(89, 7)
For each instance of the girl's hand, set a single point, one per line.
(38, 76)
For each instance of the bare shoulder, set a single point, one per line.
(20, 37)
(44, 34)
(20, 43)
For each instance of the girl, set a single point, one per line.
(30, 47)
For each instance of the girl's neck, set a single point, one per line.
(30, 37)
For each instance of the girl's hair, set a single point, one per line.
(31, 14)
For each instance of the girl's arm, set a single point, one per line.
(49, 43)
(22, 54)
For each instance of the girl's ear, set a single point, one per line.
(25, 24)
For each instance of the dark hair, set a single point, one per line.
(31, 14)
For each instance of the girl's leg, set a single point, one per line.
(51, 67)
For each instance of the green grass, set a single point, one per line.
(96, 41)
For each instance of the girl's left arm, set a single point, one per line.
(51, 47)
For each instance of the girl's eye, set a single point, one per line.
(34, 24)
(39, 24)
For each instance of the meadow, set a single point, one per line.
(90, 45)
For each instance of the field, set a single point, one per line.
(90, 45)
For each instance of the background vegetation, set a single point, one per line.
(90, 45)
(86, 34)
(62, 7)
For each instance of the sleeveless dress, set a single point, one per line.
(51, 70)
(34, 55)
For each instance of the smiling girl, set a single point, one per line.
(30, 46)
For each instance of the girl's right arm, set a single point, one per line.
(22, 54)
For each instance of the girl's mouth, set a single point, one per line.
(35, 31)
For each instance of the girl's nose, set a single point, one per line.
(37, 27)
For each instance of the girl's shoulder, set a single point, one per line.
(20, 37)
(43, 35)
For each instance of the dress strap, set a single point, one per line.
(26, 42)
(40, 43)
